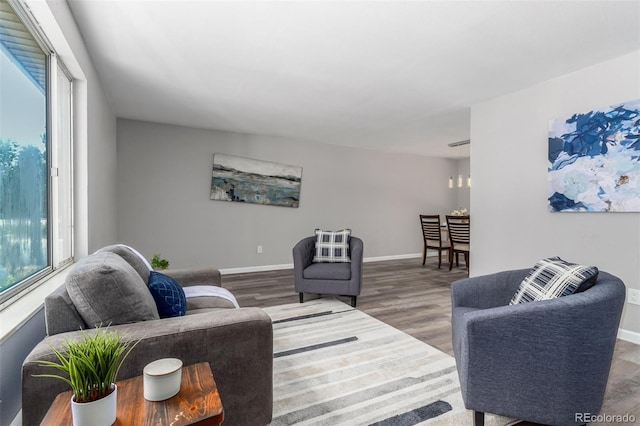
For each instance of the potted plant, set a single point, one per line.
(90, 366)
(460, 212)
(159, 263)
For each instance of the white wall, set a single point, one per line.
(94, 132)
(512, 227)
(464, 193)
(164, 178)
(102, 171)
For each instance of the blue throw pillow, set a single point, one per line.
(168, 295)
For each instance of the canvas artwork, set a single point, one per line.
(255, 181)
(594, 160)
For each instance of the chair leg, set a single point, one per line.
(301, 297)
(478, 418)
(439, 258)
(424, 254)
(353, 301)
(450, 259)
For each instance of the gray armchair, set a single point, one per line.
(237, 343)
(541, 361)
(343, 279)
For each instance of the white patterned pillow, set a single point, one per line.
(332, 246)
(553, 277)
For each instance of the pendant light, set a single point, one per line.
(459, 181)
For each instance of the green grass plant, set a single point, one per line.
(159, 263)
(91, 363)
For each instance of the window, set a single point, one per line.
(35, 154)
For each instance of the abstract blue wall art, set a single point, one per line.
(594, 160)
(255, 181)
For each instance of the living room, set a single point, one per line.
(146, 183)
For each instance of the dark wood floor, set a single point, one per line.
(416, 299)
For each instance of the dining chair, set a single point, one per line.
(459, 229)
(432, 236)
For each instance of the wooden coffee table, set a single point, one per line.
(197, 403)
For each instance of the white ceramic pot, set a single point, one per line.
(95, 413)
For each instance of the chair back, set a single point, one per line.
(430, 224)
(459, 229)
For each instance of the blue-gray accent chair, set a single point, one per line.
(343, 279)
(542, 361)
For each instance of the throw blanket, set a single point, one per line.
(210, 290)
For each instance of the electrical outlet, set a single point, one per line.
(633, 296)
(259, 249)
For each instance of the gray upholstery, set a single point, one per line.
(106, 290)
(237, 343)
(60, 313)
(195, 276)
(132, 259)
(540, 361)
(327, 271)
(343, 279)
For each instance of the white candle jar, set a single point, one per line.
(162, 379)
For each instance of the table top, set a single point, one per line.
(198, 402)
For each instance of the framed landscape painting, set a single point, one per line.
(593, 160)
(254, 181)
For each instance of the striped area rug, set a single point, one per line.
(335, 365)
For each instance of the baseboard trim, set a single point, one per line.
(393, 257)
(265, 268)
(629, 336)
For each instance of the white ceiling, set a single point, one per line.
(391, 75)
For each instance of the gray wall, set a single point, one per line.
(164, 175)
(13, 351)
(512, 227)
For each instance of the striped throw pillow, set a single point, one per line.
(332, 246)
(553, 277)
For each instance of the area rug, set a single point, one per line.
(335, 365)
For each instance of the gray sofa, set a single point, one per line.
(344, 279)
(237, 342)
(541, 361)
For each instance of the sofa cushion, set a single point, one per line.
(168, 295)
(327, 271)
(60, 314)
(105, 290)
(133, 258)
(553, 277)
(332, 246)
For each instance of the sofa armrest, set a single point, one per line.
(487, 291)
(303, 253)
(238, 344)
(356, 248)
(195, 276)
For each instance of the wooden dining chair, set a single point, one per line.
(459, 230)
(432, 236)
